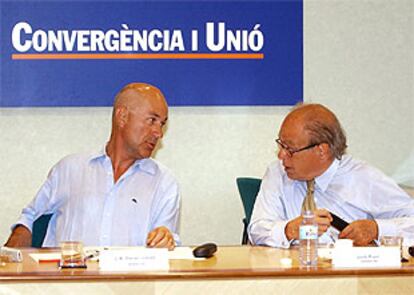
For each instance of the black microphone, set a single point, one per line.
(206, 250)
(411, 251)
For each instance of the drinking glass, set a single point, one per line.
(72, 254)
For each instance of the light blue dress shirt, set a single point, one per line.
(88, 206)
(348, 188)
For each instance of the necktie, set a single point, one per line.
(309, 202)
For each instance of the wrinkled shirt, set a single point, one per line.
(88, 206)
(348, 188)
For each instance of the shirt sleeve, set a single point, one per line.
(42, 202)
(166, 211)
(268, 221)
(392, 208)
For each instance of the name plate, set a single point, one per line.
(366, 257)
(141, 259)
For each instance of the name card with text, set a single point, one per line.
(141, 259)
(366, 257)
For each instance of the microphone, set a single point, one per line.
(411, 251)
(206, 250)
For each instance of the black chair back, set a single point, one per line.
(39, 230)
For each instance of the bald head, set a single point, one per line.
(307, 113)
(134, 94)
(321, 125)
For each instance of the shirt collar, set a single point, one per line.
(323, 180)
(147, 165)
(100, 154)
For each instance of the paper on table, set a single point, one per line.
(177, 253)
(46, 257)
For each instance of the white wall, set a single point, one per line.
(358, 60)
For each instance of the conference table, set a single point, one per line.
(232, 270)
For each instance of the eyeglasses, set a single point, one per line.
(291, 151)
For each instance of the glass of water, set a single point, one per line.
(72, 255)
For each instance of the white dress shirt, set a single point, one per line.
(348, 188)
(88, 206)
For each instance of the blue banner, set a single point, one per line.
(199, 53)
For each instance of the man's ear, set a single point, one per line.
(324, 151)
(121, 116)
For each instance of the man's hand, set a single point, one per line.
(323, 219)
(292, 228)
(20, 237)
(161, 237)
(362, 232)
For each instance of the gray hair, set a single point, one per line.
(323, 127)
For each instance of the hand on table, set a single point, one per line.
(161, 237)
(362, 232)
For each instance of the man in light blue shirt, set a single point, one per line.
(312, 146)
(117, 197)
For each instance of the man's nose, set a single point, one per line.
(282, 154)
(158, 130)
